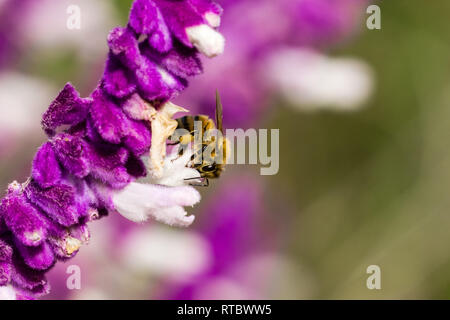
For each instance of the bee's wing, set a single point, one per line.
(219, 112)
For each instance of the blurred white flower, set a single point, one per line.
(23, 99)
(90, 294)
(160, 251)
(312, 81)
(46, 25)
(7, 293)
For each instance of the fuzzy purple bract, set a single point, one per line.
(95, 143)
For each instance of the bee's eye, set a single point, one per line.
(209, 168)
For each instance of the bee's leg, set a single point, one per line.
(180, 150)
(197, 154)
(180, 154)
(193, 178)
(179, 140)
(205, 182)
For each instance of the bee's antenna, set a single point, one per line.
(219, 112)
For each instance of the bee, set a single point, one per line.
(208, 167)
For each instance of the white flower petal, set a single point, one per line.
(137, 202)
(167, 77)
(173, 216)
(163, 126)
(207, 40)
(176, 172)
(7, 293)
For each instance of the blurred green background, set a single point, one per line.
(371, 187)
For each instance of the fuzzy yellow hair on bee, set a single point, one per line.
(209, 168)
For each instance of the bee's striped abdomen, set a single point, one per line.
(186, 122)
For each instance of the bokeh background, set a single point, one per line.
(364, 119)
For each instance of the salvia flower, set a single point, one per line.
(91, 162)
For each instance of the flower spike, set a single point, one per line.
(92, 161)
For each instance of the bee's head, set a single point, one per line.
(211, 171)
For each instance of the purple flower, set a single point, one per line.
(67, 109)
(24, 220)
(325, 21)
(90, 164)
(5, 263)
(256, 30)
(10, 30)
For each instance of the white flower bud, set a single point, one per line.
(207, 40)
